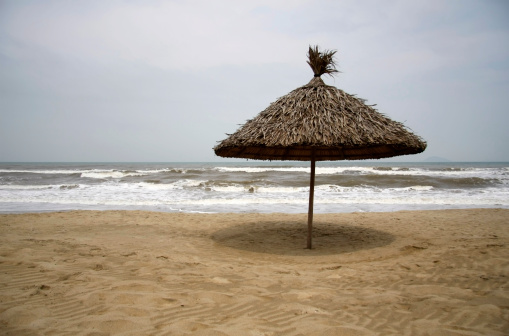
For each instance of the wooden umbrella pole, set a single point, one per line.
(311, 198)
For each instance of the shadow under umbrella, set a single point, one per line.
(289, 238)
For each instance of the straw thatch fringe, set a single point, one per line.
(320, 121)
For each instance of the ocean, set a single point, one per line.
(252, 186)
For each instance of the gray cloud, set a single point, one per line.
(165, 80)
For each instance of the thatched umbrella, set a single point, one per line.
(318, 122)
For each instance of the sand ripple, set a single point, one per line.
(144, 273)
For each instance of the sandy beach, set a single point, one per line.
(148, 273)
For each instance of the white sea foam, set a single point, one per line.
(284, 189)
(261, 169)
(24, 187)
(50, 171)
(93, 173)
(38, 187)
(418, 188)
(112, 174)
(228, 188)
(180, 184)
(102, 174)
(390, 171)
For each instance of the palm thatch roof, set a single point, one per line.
(320, 122)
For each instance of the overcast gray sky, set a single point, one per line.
(165, 80)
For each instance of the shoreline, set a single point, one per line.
(117, 272)
(302, 211)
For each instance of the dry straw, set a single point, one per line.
(320, 120)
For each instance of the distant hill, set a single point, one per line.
(436, 159)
